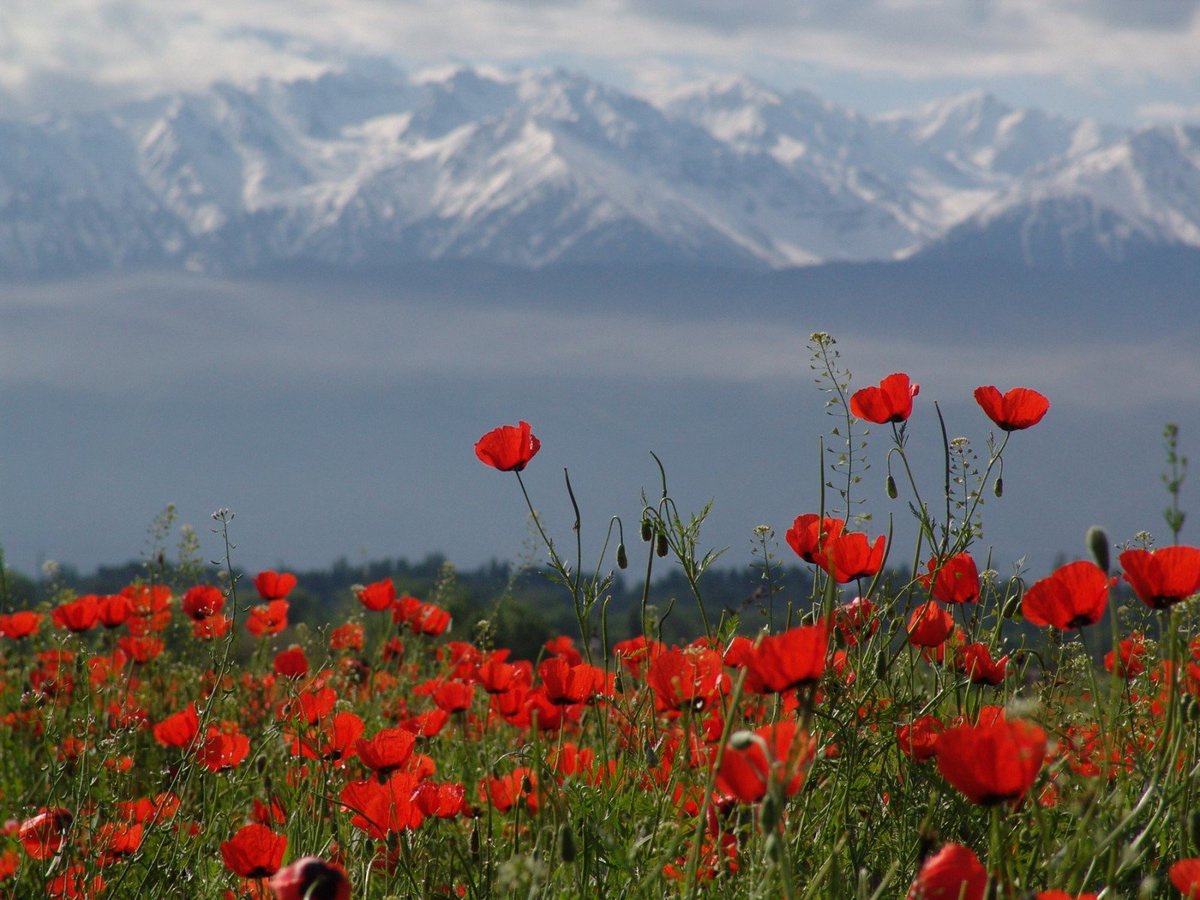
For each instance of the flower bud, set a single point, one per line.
(566, 843)
(1097, 544)
(998, 489)
(890, 487)
(661, 546)
(647, 531)
(622, 557)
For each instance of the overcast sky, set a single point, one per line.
(1125, 61)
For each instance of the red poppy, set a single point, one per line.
(1185, 875)
(347, 637)
(311, 878)
(454, 696)
(566, 684)
(782, 662)
(274, 585)
(213, 627)
(754, 761)
(856, 621)
(953, 873)
(387, 750)
(929, 625)
(956, 580)
(975, 661)
(1018, 409)
(378, 596)
(20, 624)
(223, 748)
(380, 809)
(178, 729)
(508, 448)
(1128, 662)
(686, 678)
(849, 556)
(1163, 577)
(992, 762)
(445, 800)
(202, 601)
(892, 401)
(116, 840)
(78, 615)
(114, 610)
(267, 618)
(809, 533)
(918, 740)
(254, 852)
(1073, 596)
(506, 791)
(43, 834)
(291, 663)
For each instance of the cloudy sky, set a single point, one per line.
(1126, 61)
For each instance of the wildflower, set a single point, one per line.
(254, 852)
(114, 610)
(508, 448)
(202, 602)
(380, 809)
(809, 533)
(78, 615)
(686, 678)
(856, 621)
(387, 750)
(1161, 578)
(566, 684)
(1018, 409)
(213, 627)
(223, 748)
(789, 660)
(311, 878)
(953, 580)
(19, 625)
(378, 596)
(43, 834)
(1073, 596)
(918, 740)
(992, 762)
(347, 637)
(892, 401)
(770, 755)
(849, 556)
(291, 663)
(975, 661)
(274, 585)
(178, 729)
(267, 618)
(929, 625)
(953, 873)
(1128, 661)
(1185, 875)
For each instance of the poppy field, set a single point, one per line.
(919, 724)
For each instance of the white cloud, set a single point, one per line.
(1169, 112)
(56, 53)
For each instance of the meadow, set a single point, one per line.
(963, 732)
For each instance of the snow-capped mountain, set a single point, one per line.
(541, 168)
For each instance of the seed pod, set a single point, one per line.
(566, 843)
(661, 546)
(622, 557)
(998, 489)
(1097, 544)
(890, 486)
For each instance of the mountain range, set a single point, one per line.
(533, 169)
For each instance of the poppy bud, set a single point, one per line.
(881, 665)
(890, 486)
(566, 843)
(1012, 607)
(998, 489)
(1097, 544)
(1194, 829)
(622, 558)
(772, 844)
(661, 546)
(647, 532)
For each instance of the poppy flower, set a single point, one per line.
(1161, 578)
(267, 618)
(508, 448)
(688, 678)
(254, 852)
(43, 834)
(809, 533)
(778, 663)
(387, 750)
(953, 873)
(114, 610)
(1073, 596)
(918, 739)
(954, 580)
(856, 621)
(929, 625)
(19, 625)
(274, 585)
(1185, 875)
(1128, 661)
(993, 762)
(223, 748)
(566, 684)
(202, 601)
(378, 596)
(849, 556)
(769, 755)
(1018, 409)
(311, 878)
(213, 627)
(454, 696)
(975, 661)
(892, 401)
(78, 615)
(178, 729)
(291, 663)
(506, 791)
